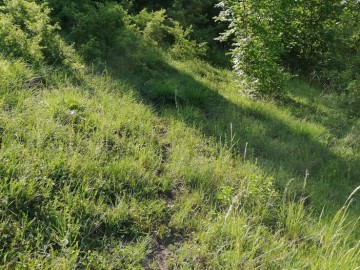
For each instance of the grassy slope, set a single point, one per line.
(176, 170)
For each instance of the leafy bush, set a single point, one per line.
(13, 74)
(24, 27)
(184, 47)
(97, 29)
(197, 15)
(157, 29)
(316, 38)
(257, 48)
(151, 25)
(26, 32)
(106, 31)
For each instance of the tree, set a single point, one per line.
(311, 37)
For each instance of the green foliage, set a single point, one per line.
(334, 60)
(308, 37)
(197, 15)
(156, 29)
(257, 52)
(26, 32)
(160, 163)
(13, 74)
(152, 26)
(97, 29)
(24, 29)
(184, 47)
(104, 31)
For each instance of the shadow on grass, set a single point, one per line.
(281, 149)
(307, 102)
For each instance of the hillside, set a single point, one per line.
(149, 160)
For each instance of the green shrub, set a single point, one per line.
(24, 29)
(157, 29)
(256, 55)
(152, 26)
(26, 32)
(107, 31)
(184, 47)
(197, 15)
(316, 38)
(13, 75)
(97, 29)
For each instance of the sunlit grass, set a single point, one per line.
(182, 171)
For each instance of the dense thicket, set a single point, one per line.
(26, 32)
(199, 15)
(317, 38)
(124, 34)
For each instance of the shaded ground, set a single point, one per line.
(303, 132)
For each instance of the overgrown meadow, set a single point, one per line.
(127, 142)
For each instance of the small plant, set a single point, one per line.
(13, 74)
(225, 195)
(184, 47)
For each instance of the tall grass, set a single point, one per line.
(177, 171)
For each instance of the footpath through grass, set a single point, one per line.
(173, 170)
